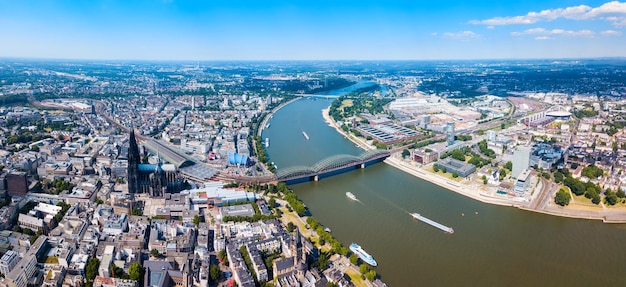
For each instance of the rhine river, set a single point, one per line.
(491, 245)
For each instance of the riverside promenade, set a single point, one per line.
(545, 195)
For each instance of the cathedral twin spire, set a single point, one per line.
(133, 164)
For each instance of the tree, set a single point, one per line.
(577, 187)
(322, 261)
(508, 165)
(222, 255)
(458, 155)
(435, 168)
(91, 270)
(363, 268)
(291, 227)
(354, 259)
(215, 272)
(596, 199)
(272, 202)
(611, 199)
(620, 193)
(34, 237)
(592, 171)
(295, 204)
(196, 220)
(562, 197)
(405, 153)
(592, 193)
(484, 179)
(117, 272)
(558, 177)
(455, 174)
(135, 271)
(312, 222)
(155, 253)
(380, 145)
(444, 170)
(502, 173)
(370, 275)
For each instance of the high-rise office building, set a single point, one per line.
(521, 160)
(450, 133)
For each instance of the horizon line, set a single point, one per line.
(307, 60)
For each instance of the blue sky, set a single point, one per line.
(311, 30)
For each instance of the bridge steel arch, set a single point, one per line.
(373, 153)
(330, 166)
(335, 161)
(294, 172)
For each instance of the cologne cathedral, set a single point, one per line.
(154, 179)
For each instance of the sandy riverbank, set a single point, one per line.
(360, 143)
(612, 216)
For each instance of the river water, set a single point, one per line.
(491, 245)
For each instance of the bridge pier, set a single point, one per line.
(316, 178)
(363, 165)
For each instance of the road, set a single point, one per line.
(545, 194)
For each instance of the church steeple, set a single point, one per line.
(133, 164)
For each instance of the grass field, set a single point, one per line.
(447, 175)
(355, 277)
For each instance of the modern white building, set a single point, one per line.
(522, 182)
(215, 194)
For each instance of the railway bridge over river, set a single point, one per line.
(326, 167)
(330, 166)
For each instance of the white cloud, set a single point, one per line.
(543, 38)
(614, 12)
(617, 21)
(609, 8)
(610, 33)
(554, 32)
(460, 35)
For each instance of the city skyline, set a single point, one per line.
(324, 30)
